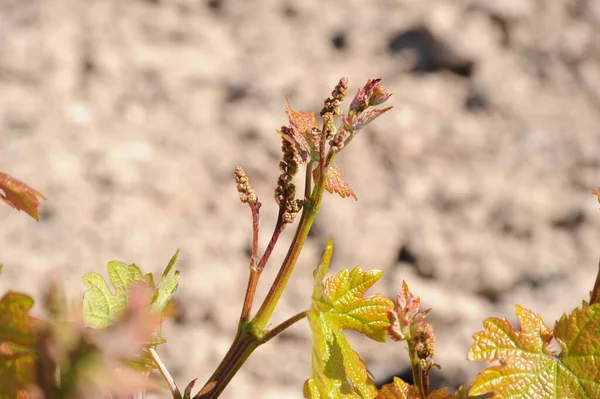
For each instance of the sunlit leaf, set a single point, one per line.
(335, 183)
(398, 390)
(537, 362)
(338, 304)
(20, 196)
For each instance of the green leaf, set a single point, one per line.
(100, 305)
(538, 362)
(338, 304)
(167, 285)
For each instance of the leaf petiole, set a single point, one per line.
(164, 373)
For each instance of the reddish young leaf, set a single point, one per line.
(20, 196)
(406, 314)
(334, 182)
(302, 122)
(370, 95)
(369, 116)
(300, 134)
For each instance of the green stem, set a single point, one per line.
(308, 179)
(417, 371)
(310, 211)
(252, 334)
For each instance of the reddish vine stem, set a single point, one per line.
(256, 270)
(255, 229)
(310, 210)
(322, 147)
(595, 294)
(249, 297)
(253, 277)
(279, 227)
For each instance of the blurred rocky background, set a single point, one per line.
(130, 116)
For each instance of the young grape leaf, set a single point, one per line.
(167, 285)
(100, 306)
(338, 304)
(17, 324)
(17, 365)
(399, 389)
(302, 125)
(334, 182)
(538, 362)
(20, 196)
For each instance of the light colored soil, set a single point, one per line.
(130, 116)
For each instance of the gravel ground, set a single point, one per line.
(130, 116)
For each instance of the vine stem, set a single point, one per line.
(417, 372)
(165, 373)
(595, 293)
(253, 277)
(252, 333)
(310, 211)
(241, 348)
(255, 230)
(256, 270)
(243, 345)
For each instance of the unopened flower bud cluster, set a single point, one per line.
(244, 189)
